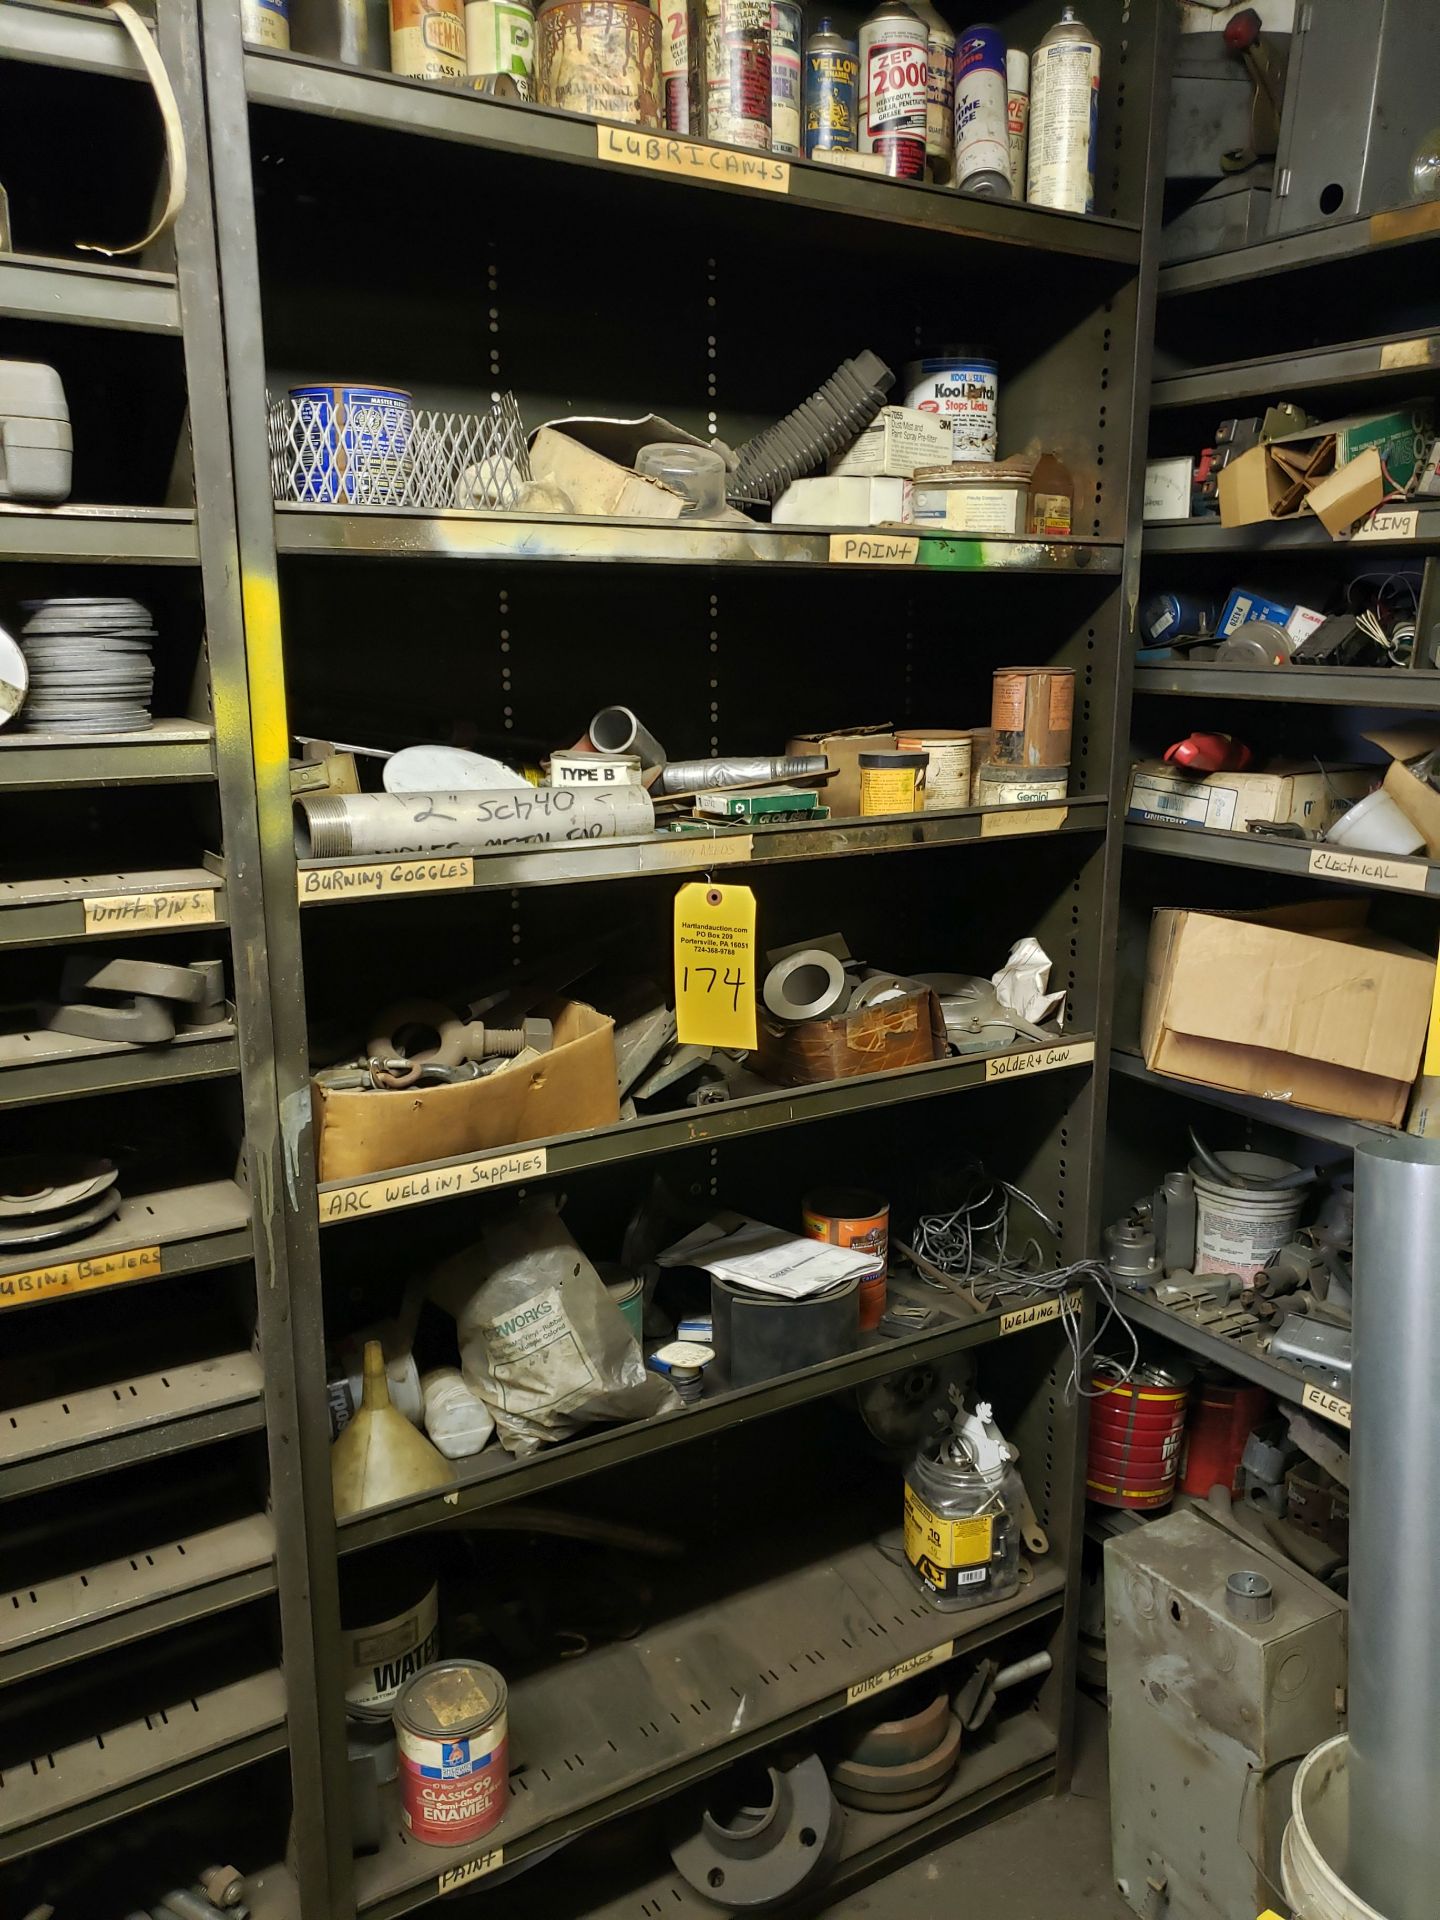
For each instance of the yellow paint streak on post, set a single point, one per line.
(269, 721)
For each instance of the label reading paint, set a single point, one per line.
(1043, 1310)
(1389, 523)
(715, 966)
(175, 907)
(434, 1183)
(691, 159)
(874, 549)
(79, 1276)
(475, 1869)
(393, 876)
(998, 822)
(1374, 869)
(1329, 1405)
(892, 1676)
(1409, 353)
(1010, 1066)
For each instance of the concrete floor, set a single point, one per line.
(1050, 1861)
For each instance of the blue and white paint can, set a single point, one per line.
(350, 444)
(962, 387)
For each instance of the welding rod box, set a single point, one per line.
(1224, 802)
(896, 1033)
(1298, 1004)
(566, 1090)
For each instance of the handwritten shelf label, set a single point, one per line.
(691, 159)
(1332, 863)
(1389, 523)
(79, 1276)
(174, 907)
(475, 1869)
(1409, 353)
(1005, 820)
(364, 1197)
(892, 1676)
(688, 850)
(1019, 1318)
(440, 875)
(1008, 1066)
(874, 549)
(1328, 1405)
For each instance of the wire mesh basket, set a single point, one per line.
(377, 450)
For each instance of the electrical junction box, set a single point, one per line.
(1211, 1713)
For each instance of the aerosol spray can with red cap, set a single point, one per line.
(894, 78)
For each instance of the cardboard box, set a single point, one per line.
(841, 500)
(1245, 604)
(1224, 802)
(1299, 1004)
(1167, 488)
(897, 441)
(896, 1033)
(1348, 494)
(1416, 799)
(572, 1087)
(1275, 479)
(842, 750)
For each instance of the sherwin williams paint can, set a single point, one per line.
(894, 79)
(600, 57)
(265, 23)
(450, 1724)
(500, 38)
(832, 68)
(427, 39)
(1032, 710)
(1064, 111)
(982, 138)
(351, 442)
(856, 1218)
(963, 387)
(1017, 116)
(787, 34)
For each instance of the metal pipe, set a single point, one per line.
(618, 730)
(695, 776)
(332, 825)
(1394, 1762)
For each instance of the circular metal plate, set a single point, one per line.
(883, 1781)
(35, 1183)
(48, 1228)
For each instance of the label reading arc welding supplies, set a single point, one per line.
(874, 549)
(364, 1197)
(999, 822)
(475, 1869)
(691, 159)
(1329, 1405)
(1389, 523)
(1331, 863)
(124, 912)
(1043, 1310)
(892, 1676)
(391, 876)
(715, 966)
(78, 1276)
(1013, 1066)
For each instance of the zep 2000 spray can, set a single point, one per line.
(982, 137)
(787, 33)
(894, 78)
(1064, 106)
(831, 69)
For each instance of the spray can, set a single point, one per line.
(500, 38)
(675, 103)
(736, 72)
(939, 94)
(1064, 105)
(265, 23)
(832, 67)
(1017, 113)
(894, 79)
(982, 139)
(787, 37)
(427, 39)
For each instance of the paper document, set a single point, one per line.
(767, 1259)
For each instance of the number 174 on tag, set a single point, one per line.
(715, 966)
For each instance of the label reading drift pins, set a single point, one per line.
(128, 912)
(691, 159)
(1328, 1405)
(1022, 1317)
(1013, 1066)
(892, 1676)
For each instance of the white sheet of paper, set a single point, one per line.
(767, 1259)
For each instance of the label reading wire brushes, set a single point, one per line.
(475, 1869)
(434, 1183)
(124, 912)
(892, 1676)
(1022, 1317)
(389, 876)
(874, 549)
(715, 966)
(1333, 863)
(1329, 1405)
(1011, 1066)
(692, 159)
(78, 1276)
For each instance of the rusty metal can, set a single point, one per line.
(1032, 710)
(450, 1726)
(601, 57)
(265, 23)
(676, 80)
(736, 72)
(427, 39)
(787, 42)
(854, 1217)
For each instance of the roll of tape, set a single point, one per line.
(809, 985)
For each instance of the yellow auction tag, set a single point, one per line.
(715, 966)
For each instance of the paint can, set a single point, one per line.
(676, 96)
(427, 39)
(787, 38)
(963, 387)
(1064, 112)
(629, 1296)
(1221, 1421)
(947, 776)
(1017, 116)
(1136, 1431)
(1032, 710)
(381, 1655)
(500, 38)
(450, 1723)
(832, 68)
(856, 1218)
(892, 782)
(939, 94)
(352, 443)
(1020, 786)
(736, 72)
(265, 23)
(982, 139)
(600, 57)
(968, 502)
(573, 768)
(1239, 1226)
(894, 83)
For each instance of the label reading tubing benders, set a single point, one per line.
(79, 1276)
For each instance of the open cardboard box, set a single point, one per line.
(1339, 469)
(1416, 799)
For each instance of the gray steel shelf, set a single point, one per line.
(1259, 851)
(1269, 1113)
(41, 1067)
(647, 1716)
(47, 912)
(205, 1224)
(170, 753)
(53, 33)
(394, 102)
(108, 536)
(1301, 533)
(1344, 243)
(549, 539)
(1247, 1357)
(322, 882)
(1302, 686)
(77, 293)
(1397, 357)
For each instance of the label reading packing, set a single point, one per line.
(1389, 523)
(123, 912)
(1043, 1310)
(1330, 1405)
(892, 1676)
(474, 1869)
(78, 1276)
(1373, 868)
(438, 875)
(1007, 1066)
(433, 1183)
(691, 159)
(874, 549)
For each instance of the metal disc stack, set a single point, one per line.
(90, 666)
(48, 1198)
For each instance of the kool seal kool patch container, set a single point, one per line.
(450, 1725)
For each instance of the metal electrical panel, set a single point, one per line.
(1211, 1711)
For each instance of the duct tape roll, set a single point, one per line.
(761, 1335)
(809, 985)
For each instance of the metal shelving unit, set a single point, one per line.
(1340, 243)
(1408, 873)
(1248, 1356)
(1322, 686)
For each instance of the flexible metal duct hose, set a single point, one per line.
(819, 426)
(694, 776)
(328, 826)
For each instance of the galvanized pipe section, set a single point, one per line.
(330, 826)
(1394, 1765)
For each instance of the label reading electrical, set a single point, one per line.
(1332, 863)
(434, 1183)
(1329, 1405)
(874, 549)
(691, 159)
(1390, 523)
(475, 1869)
(892, 1676)
(78, 1276)
(436, 875)
(1022, 1317)
(1011, 1066)
(715, 966)
(126, 912)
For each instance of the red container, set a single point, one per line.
(1136, 1432)
(1223, 1415)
